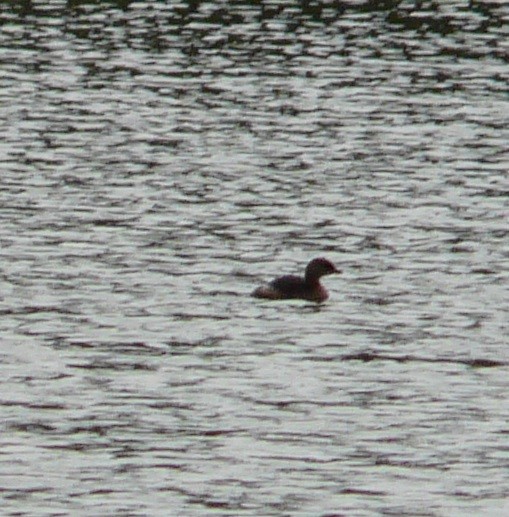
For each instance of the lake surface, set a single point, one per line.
(159, 161)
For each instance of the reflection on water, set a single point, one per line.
(159, 161)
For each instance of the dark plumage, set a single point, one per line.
(294, 287)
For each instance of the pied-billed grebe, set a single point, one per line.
(295, 287)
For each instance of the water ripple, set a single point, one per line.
(159, 161)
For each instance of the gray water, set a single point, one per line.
(159, 161)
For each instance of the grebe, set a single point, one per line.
(290, 287)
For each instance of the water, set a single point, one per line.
(158, 163)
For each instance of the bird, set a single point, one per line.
(290, 287)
